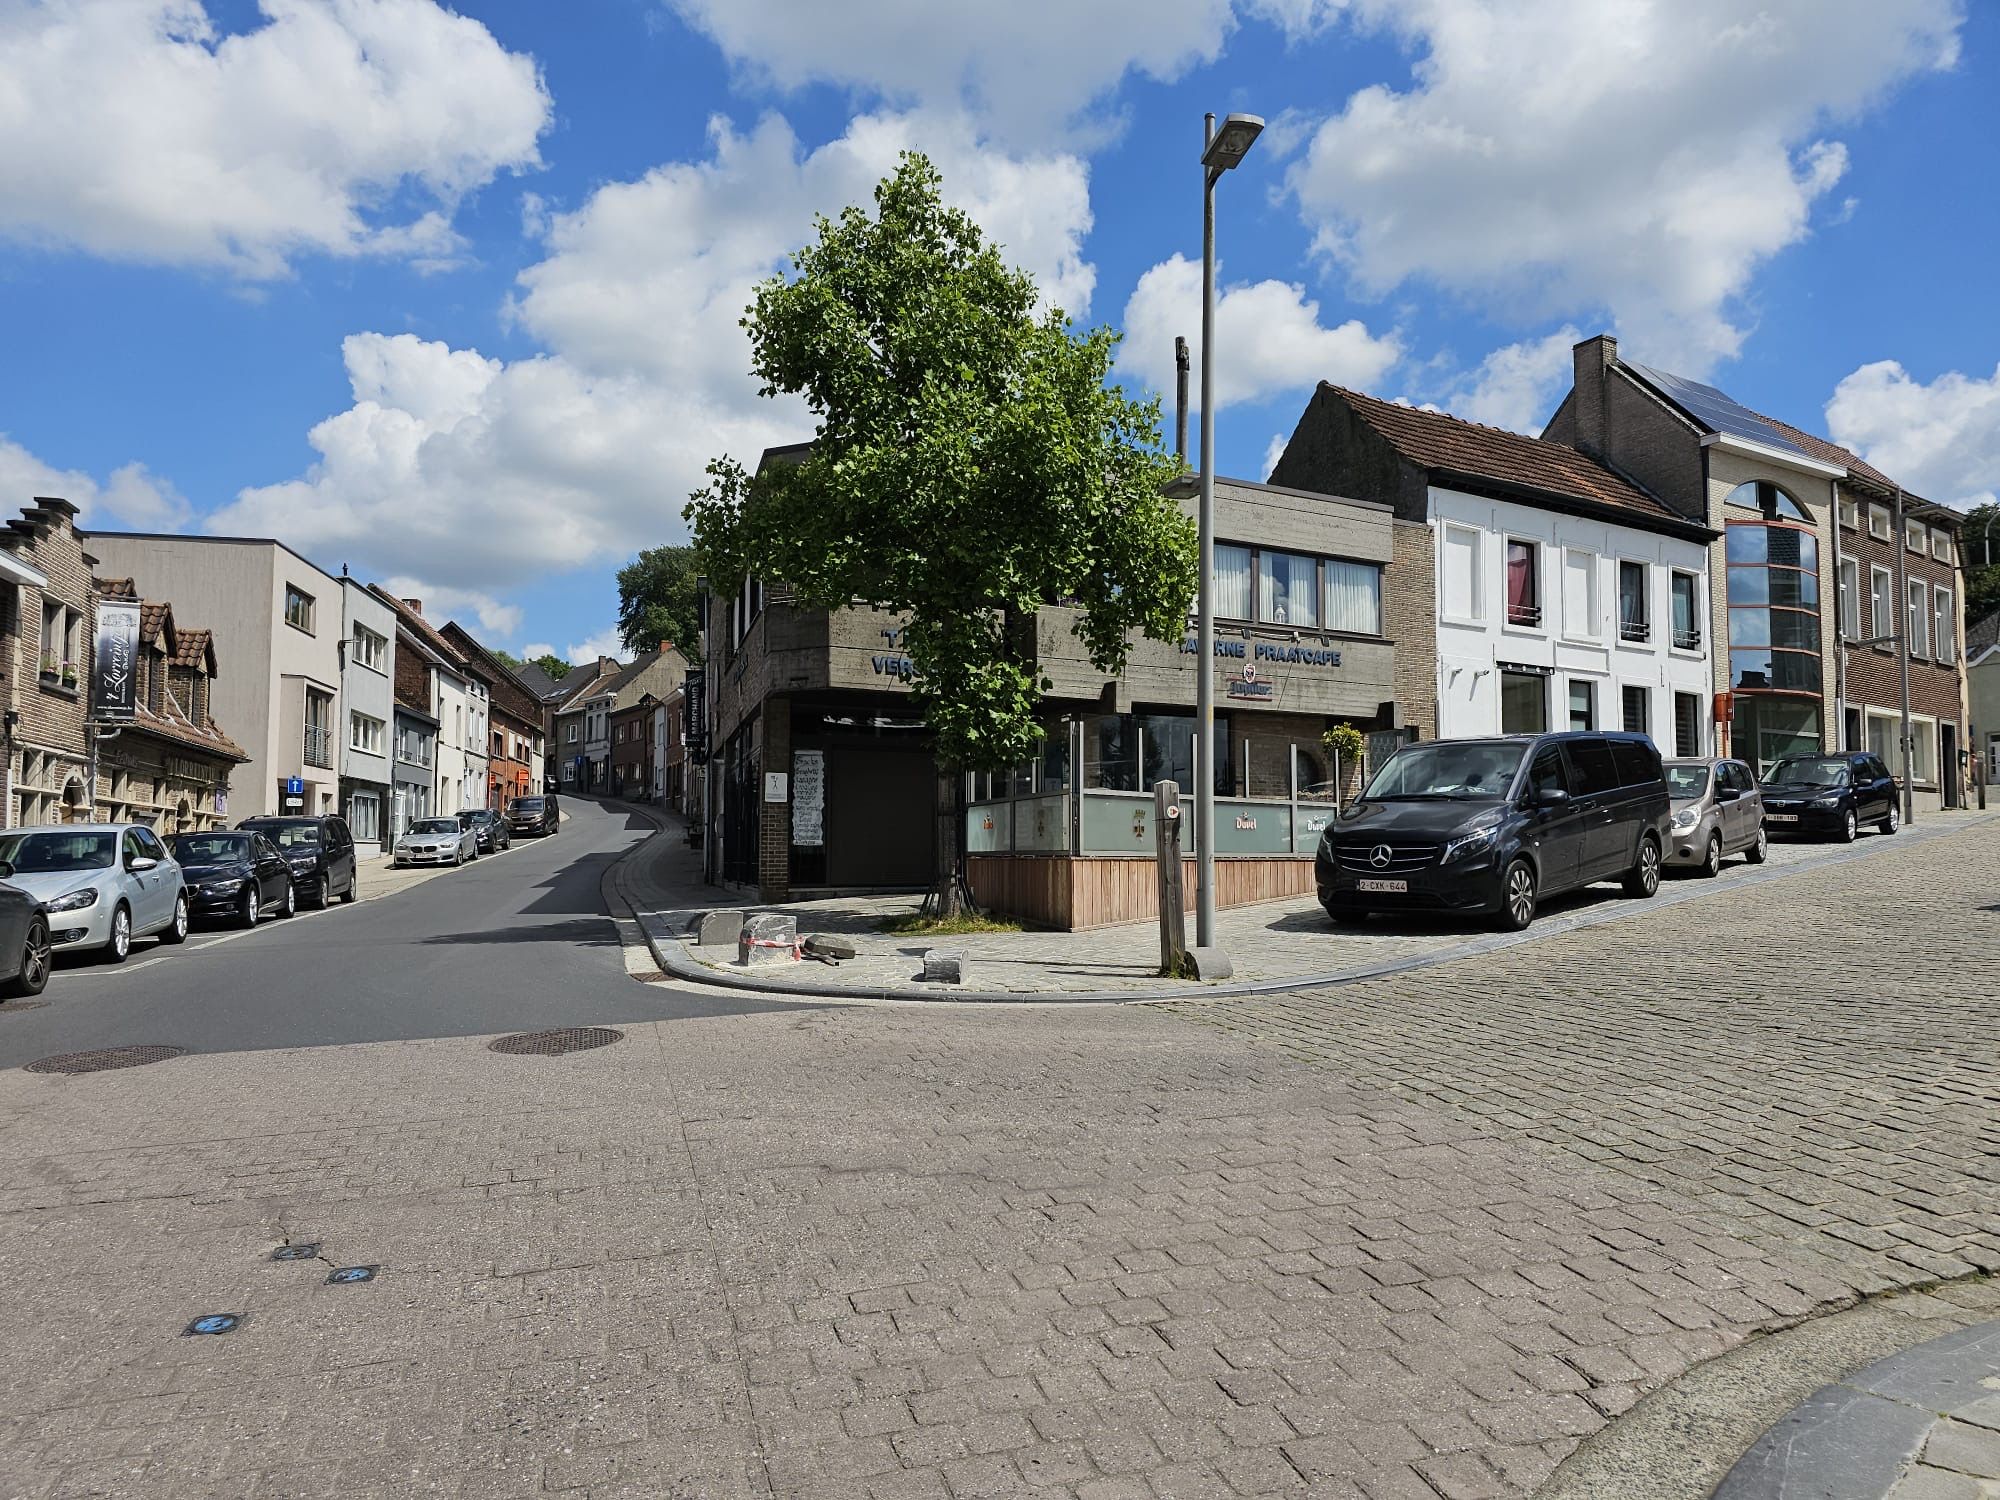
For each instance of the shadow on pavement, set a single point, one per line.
(580, 932)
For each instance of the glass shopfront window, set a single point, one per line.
(1111, 753)
(1774, 630)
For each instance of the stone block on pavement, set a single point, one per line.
(718, 927)
(944, 966)
(828, 945)
(768, 938)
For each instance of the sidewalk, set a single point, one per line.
(1273, 945)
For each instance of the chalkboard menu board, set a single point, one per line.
(809, 798)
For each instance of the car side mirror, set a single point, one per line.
(1727, 794)
(1553, 796)
(6, 870)
(138, 864)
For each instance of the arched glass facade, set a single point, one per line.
(1774, 626)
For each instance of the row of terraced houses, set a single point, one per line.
(265, 684)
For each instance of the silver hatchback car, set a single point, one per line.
(1718, 811)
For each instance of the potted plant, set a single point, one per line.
(49, 667)
(69, 674)
(1347, 744)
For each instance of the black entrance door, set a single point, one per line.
(1948, 763)
(881, 810)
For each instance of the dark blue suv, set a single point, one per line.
(1830, 796)
(1496, 826)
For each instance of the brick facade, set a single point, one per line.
(1409, 618)
(47, 679)
(632, 748)
(774, 821)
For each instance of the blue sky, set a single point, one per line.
(450, 296)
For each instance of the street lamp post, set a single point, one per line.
(1221, 150)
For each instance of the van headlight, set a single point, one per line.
(1826, 802)
(1468, 844)
(76, 900)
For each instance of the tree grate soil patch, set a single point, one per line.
(103, 1059)
(556, 1043)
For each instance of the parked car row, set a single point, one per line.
(461, 838)
(1495, 827)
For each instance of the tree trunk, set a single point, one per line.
(951, 890)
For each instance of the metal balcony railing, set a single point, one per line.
(319, 746)
(1524, 614)
(1634, 630)
(1688, 640)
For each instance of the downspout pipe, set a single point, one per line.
(1839, 625)
(1902, 545)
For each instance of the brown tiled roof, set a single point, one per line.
(418, 626)
(193, 647)
(1831, 453)
(1436, 440)
(177, 729)
(117, 588)
(153, 618)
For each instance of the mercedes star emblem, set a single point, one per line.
(1380, 856)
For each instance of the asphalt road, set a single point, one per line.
(516, 941)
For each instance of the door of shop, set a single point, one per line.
(881, 815)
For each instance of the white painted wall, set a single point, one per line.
(452, 704)
(1578, 638)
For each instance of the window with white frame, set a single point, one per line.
(1944, 617)
(1634, 604)
(62, 642)
(298, 608)
(1941, 547)
(1580, 595)
(1524, 582)
(1687, 611)
(572, 731)
(1850, 513)
(1460, 574)
(370, 649)
(364, 733)
(1916, 536)
(1850, 599)
(1881, 604)
(1878, 522)
(1923, 752)
(1919, 618)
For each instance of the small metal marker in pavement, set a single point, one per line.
(213, 1323)
(348, 1275)
(296, 1252)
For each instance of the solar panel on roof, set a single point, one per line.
(1716, 410)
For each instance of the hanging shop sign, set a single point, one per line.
(1250, 686)
(114, 696)
(694, 716)
(809, 798)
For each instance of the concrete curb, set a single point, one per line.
(1715, 1424)
(670, 954)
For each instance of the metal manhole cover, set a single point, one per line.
(556, 1043)
(104, 1059)
(649, 976)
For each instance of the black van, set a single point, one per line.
(1497, 825)
(318, 851)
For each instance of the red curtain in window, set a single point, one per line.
(1520, 580)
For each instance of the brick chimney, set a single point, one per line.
(1592, 360)
(665, 647)
(416, 606)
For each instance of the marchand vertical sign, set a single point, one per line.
(113, 682)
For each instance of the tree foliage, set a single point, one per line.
(972, 464)
(658, 601)
(1982, 581)
(552, 664)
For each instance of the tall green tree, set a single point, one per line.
(552, 664)
(972, 461)
(657, 601)
(1980, 541)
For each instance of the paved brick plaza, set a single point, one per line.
(1409, 1238)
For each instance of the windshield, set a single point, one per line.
(434, 825)
(1470, 770)
(1811, 770)
(289, 835)
(210, 848)
(48, 853)
(528, 804)
(1687, 781)
(467, 819)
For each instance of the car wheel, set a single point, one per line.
(1848, 828)
(1517, 896)
(1894, 821)
(120, 944)
(34, 975)
(176, 930)
(322, 891)
(1711, 864)
(1759, 847)
(291, 906)
(353, 892)
(1644, 877)
(252, 906)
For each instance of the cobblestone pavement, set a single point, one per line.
(1412, 1238)
(1274, 940)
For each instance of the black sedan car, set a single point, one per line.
(1830, 796)
(488, 827)
(24, 941)
(238, 876)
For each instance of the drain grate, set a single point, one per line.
(307, 1251)
(13, 1005)
(556, 1043)
(104, 1059)
(649, 976)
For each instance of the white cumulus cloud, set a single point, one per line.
(129, 496)
(494, 618)
(1940, 439)
(477, 474)
(1572, 157)
(604, 643)
(1269, 337)
(140, 130)
(1517, 386)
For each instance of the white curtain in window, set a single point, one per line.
(1232, 582)
(1920, 619)
(1288, 589)
(1354, 597)
(1947, 626)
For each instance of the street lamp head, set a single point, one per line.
(1232, 142)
